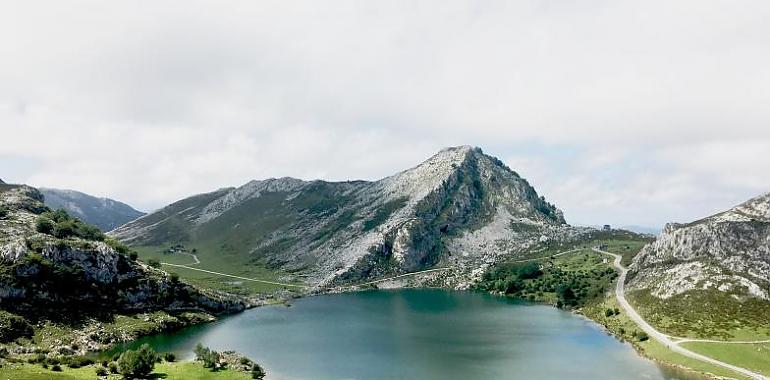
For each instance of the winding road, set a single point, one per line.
(664, 339)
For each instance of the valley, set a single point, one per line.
(694, 297)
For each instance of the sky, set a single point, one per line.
(619, 112)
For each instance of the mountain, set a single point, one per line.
(105, 213)
(55, 267)
(708, 278)
(460, 208)
(729, 252)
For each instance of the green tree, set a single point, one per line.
(137, 364)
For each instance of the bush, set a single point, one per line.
(257, 372)
(137, 363)
(56, 368)
(13, 327)
(3, 212)
(101, 371)
(113, 367)
(153, 263)
(133, 255)
(609, 313)
(169, 357)
(44, 225)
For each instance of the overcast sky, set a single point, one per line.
(638, 112)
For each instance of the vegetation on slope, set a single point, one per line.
(571, 280)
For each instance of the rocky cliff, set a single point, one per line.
(50, 270)
(460, 208)
(105, 213)
(728, 252)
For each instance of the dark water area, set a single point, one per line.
(418, 334)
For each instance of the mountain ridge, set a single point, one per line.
(105, 213)
(459, 200)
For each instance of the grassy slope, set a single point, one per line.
(705, 314)
(167, 371)
(211, 260)
(623, 327)
(755, 357)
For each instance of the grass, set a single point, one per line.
(755, 357)
(623, 327)
(165, 370)
(625, 243)
(212, 261)
(705, 314)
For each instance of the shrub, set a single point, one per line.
(13, 327)
(3, 212)
(101, 371)
(133, 255)
(169, 357)
(609, 313)
(44, 225)
(137, 363)
(153, 263)
(257, 372)
(113, 367)
(56, 368)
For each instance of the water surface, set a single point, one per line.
(418, 334)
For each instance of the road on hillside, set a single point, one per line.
(234, 276)
(657, 335)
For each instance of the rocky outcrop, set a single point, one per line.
(45, 277)
(460, 207)
(727, 252)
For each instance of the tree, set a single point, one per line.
(210, 358)
(139, 363)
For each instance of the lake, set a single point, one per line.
(418, 334)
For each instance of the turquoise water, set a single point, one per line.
(418, 334)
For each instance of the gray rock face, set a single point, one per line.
(728, 252)
(459, 207)
(105, 213)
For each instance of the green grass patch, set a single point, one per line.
(705, 314)
(623, 327)
(755, 357)
(165, 370)
(212, 261)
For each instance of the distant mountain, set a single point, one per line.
(105, 213)
(460, 208)
(642, 229)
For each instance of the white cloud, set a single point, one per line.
(150, 103)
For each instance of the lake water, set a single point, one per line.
(418, 334)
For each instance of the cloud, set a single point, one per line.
(616, 105)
